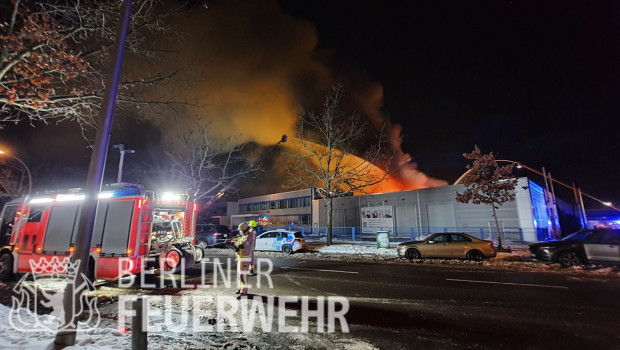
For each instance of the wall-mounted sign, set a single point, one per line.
(374, 218)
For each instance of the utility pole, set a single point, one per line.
(583, 222)
(67, 330)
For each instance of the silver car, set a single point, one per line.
(589, 246)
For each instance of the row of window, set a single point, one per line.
(285, 220)
(288, 203)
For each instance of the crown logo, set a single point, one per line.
(55, 267)
(63, 272)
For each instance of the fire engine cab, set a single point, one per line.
(134, 230)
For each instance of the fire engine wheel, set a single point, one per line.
(198, 253)
(6, 267)
(172, 259)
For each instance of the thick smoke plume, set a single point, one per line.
(406, 175)
(258, 66)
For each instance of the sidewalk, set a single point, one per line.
(367, 248)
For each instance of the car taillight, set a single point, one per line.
(490, 244)
(217, 234)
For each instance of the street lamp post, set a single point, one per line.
(25, 167)
(122, 147)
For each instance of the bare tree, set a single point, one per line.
(327, 160)
(53, 56)
(11, 181)
(487, 183)
(206, 164)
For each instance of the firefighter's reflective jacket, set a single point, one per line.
(244, 245)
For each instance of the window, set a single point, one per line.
(292, 219)
(8, 220)
(606, 236)
(441, 238)
(304, 219)
(459, 238)
(35, 214)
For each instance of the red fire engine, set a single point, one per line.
(134, 230)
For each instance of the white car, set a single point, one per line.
(281, 240)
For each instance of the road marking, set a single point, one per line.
(301, 268)
(508, 283)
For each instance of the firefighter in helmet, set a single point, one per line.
(243, 246)
(252, 224)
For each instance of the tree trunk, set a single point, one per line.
(329, 221)
(499, 234)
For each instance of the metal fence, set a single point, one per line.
(404, 234)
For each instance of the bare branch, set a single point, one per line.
(327, 158)
(205, 164)
(53, 53)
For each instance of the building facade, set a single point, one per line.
(406, 215)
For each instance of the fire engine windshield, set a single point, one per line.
(168, 226)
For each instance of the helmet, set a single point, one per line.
(252, 223)
(243, 227)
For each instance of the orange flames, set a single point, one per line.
(404, 174)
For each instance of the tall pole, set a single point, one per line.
(556, 231)
(122, 147)
(120, 167)
(579, 202)
(583, 209)
(550, 202)
(67, 330)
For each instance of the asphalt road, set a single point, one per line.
(408, 305)
(398, 304)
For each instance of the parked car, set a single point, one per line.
(281, 240)
(450, 245)
(211, 235)
(589, 246)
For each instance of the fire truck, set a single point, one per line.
(135, 230)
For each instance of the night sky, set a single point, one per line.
(532, 81)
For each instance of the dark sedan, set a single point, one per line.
(590, 246)
(210, 235)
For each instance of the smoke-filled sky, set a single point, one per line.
(260, 66)
(533, 81)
